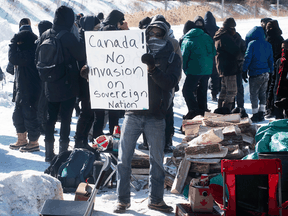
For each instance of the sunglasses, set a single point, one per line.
(157, 34)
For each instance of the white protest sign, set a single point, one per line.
(117, 77)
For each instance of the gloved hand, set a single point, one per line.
(149, 61)
(84, 72)
(245, 76)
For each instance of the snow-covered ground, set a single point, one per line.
(12, 160)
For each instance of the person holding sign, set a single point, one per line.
(164, 70)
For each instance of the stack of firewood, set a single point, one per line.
(207, 140)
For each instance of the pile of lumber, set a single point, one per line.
(207, 140)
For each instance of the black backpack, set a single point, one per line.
(50, 60)
(78, 168)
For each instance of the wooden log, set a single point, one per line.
(208, 115)
(232, 148)
(247, 139)
(244, 124)
(187, 139)
(140, 162)
(212, 123)
(203, 129)
(204, 161)
(177, 160)
(231, 130)
(232, 140)
(246, 150)
(199, 167)
(197, 120)
(237, 154)
(235, 118)
(202, 149)
(137, 171)
(192, 130)
(179, 151)
(220, 154)
(215, 168)
(168, 182)
(181, 176)
(210, 137)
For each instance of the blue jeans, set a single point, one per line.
(154, 129)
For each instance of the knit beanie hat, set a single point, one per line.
(24, 21)
(229, 23)
(43, 26)
(188, 26)
(64, 16)
(144, 22)
(114, 17)
(100, 16)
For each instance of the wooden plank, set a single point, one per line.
(181, 176)
(204, 161)
(236, 154)
(220, 154)
(197, 120)
(231, 130)
(235, 118)
(192, 130)
(232, 140)
(199, 167)
(137, 171)
(215, 168)
(212, 123)
(168, 182)
(211, 115)
(202, 149)
(247, 139)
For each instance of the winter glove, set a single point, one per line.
(149, 61)
(84, 72)
(245, 76)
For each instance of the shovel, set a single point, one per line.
(75, 208)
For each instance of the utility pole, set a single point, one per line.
(222, 9)
(255, 8)
(166, 5)
(277, 8)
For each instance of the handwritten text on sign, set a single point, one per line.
(117, 77)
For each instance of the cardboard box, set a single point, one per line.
(201, 199)
(184, 209)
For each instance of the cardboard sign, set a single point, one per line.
(118, 79)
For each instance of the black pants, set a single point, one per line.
(25, 119)
(169, 129)
(99, 121)
(240, 91)
(85, 120)
(192, 84)
(42, 109)
(65, 114)
(215, 82)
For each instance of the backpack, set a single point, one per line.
(77, 168)
(50, 60)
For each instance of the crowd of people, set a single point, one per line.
(210, 56)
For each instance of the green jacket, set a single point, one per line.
(198, 52)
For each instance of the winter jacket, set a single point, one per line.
(21, 53)
(259, 53)
(274, 82)
(68, 86)
(163, 80)
(273, 36)
(227, 53)
(242, 45)
(282, 84)
(198, 51)
(210, 24)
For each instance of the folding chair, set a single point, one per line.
(75, 208)
(270, 167)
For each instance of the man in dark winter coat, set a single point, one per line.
(211, 29)
(62, 92)
(273, 36)
(27, 91)
(163, 76)
(279, 84)
(264, 22)
(226, 62)
(43, 103)
(86, 116)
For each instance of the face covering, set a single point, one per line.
(156, 44)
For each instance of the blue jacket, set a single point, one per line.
(259, 53)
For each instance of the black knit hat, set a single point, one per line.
(24, 21)
(43, 26)
(229, 23)
(265, 20)
(100, 16)
(114, 17)
(64, 16)
(144, 22)
(188, 26)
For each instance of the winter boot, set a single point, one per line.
(49, 151)
(21, 142)
(63, 146)
(255, 118)
(228, 105)
(31, 147)
(261, 116)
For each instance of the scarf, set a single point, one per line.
(155, 44)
